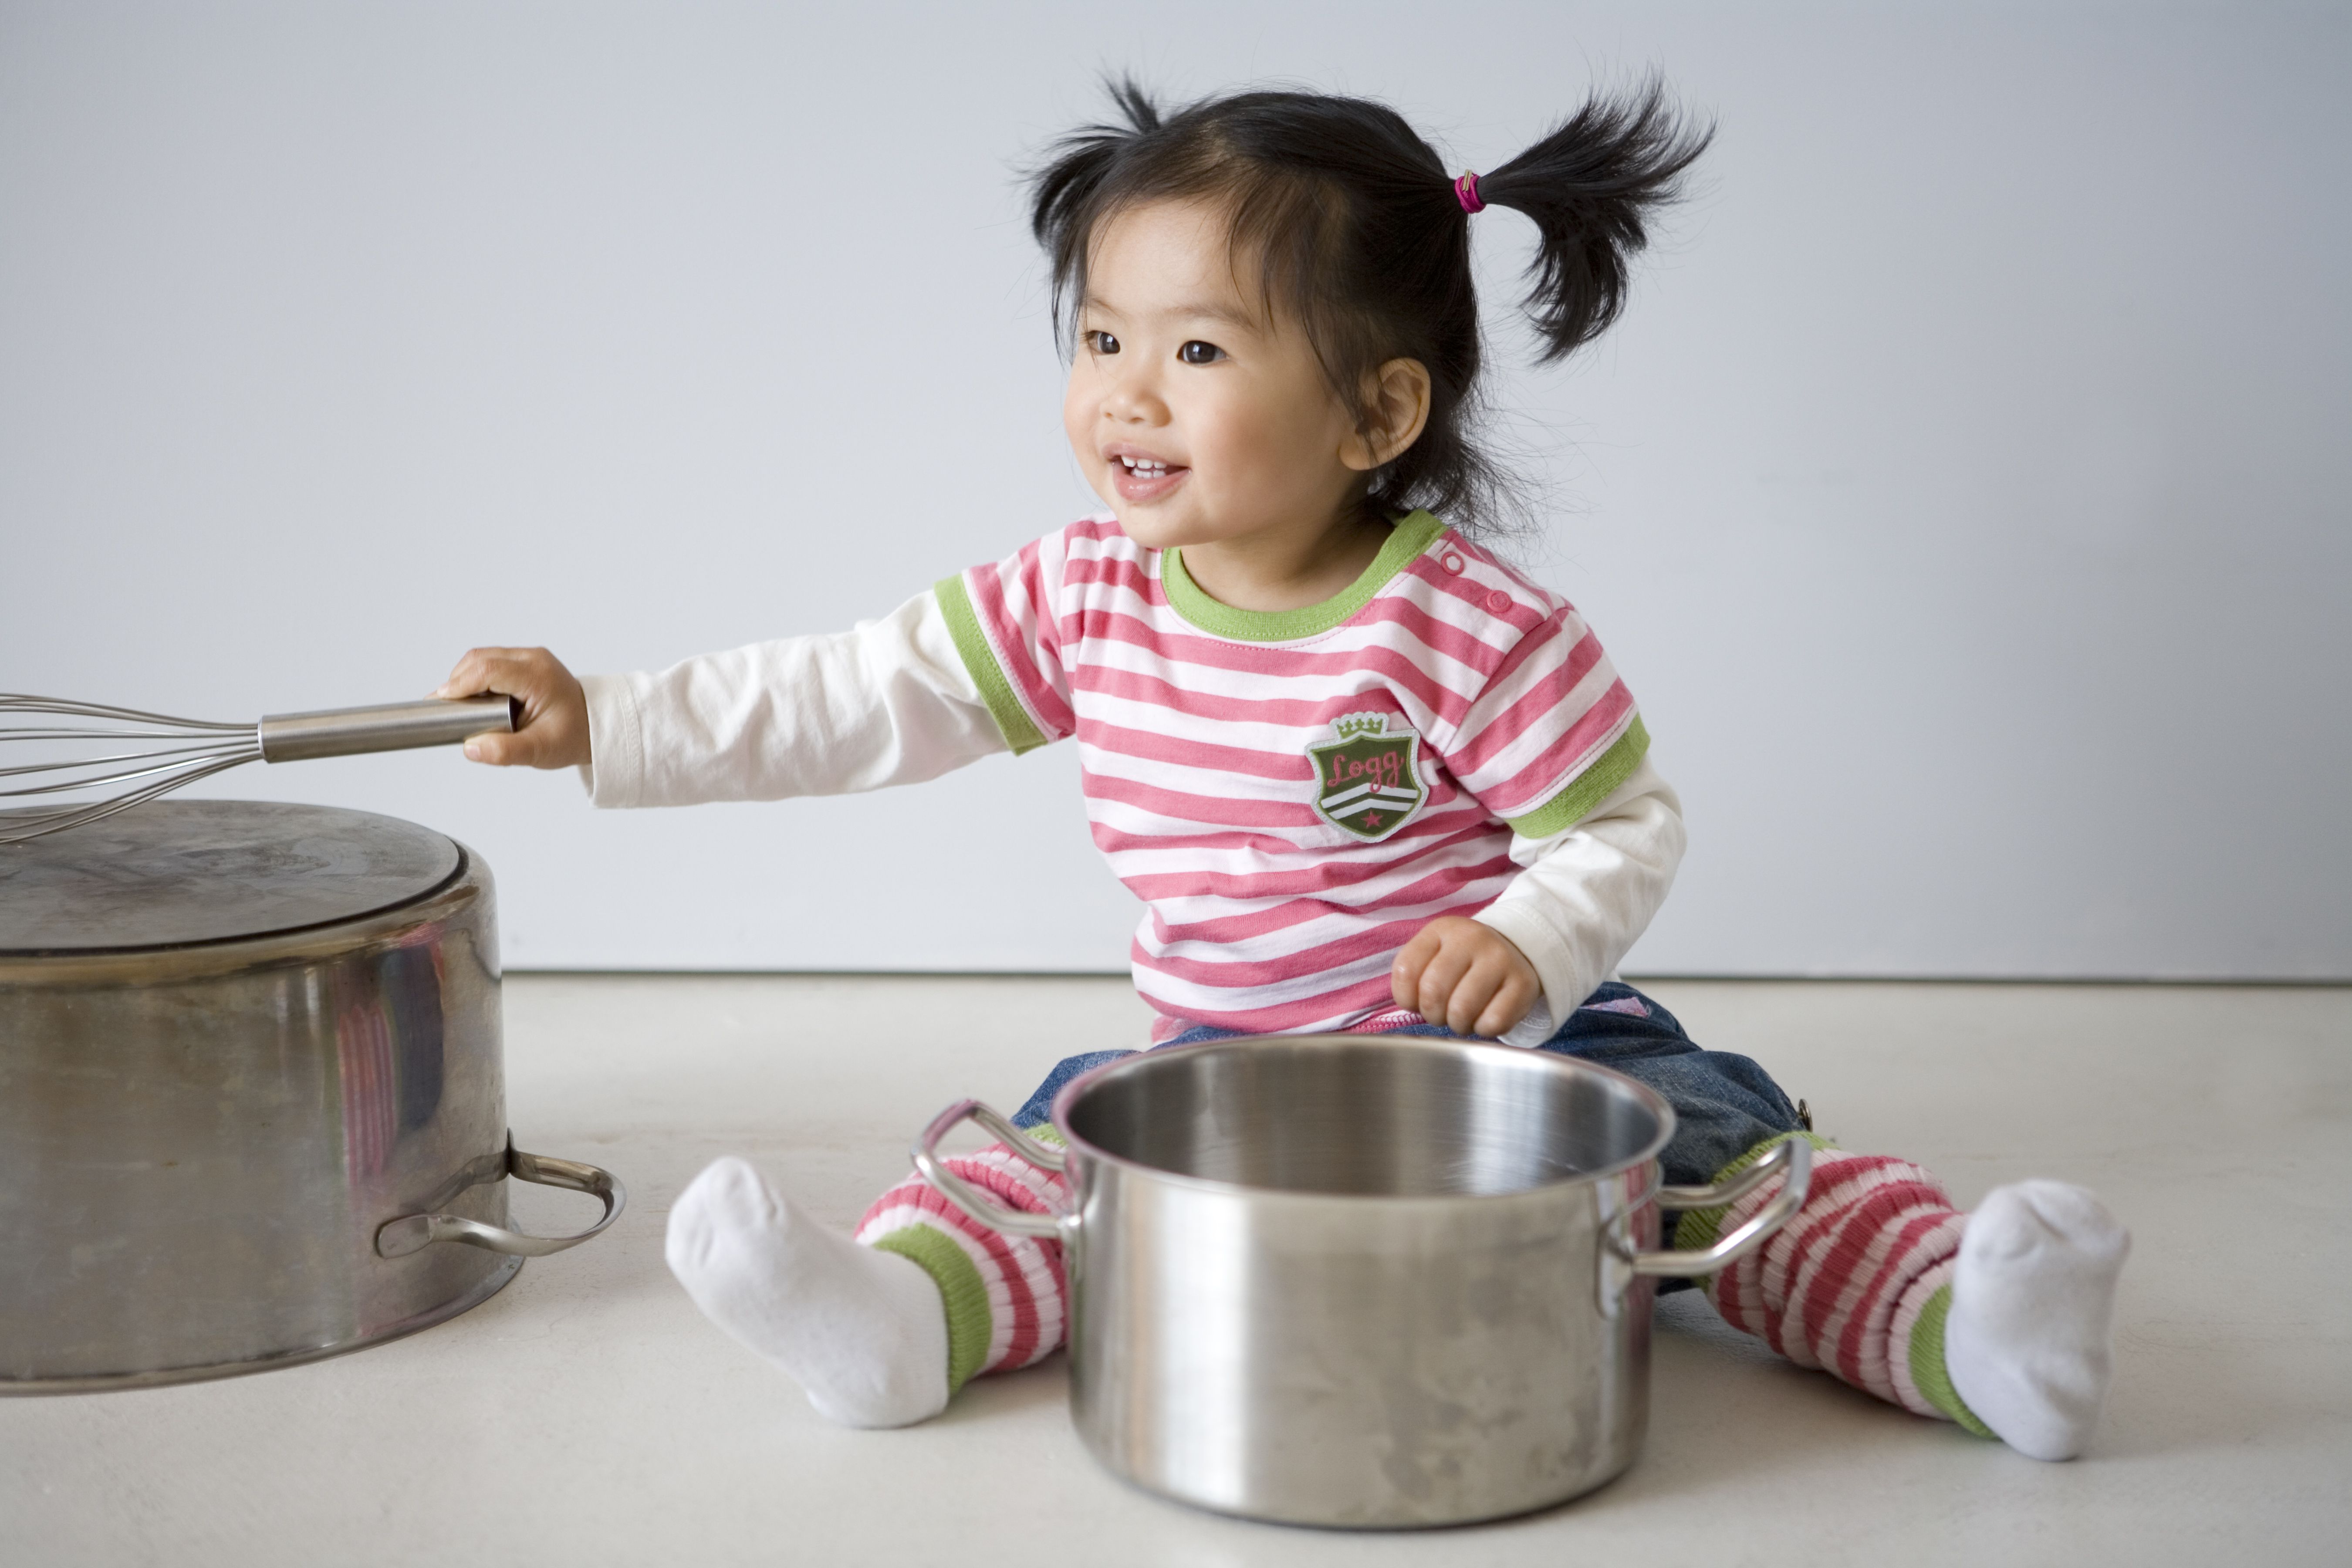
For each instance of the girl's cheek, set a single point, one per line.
(1078, 418)
(1216, 437)
(1077, 414)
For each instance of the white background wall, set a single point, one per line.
(1964, 495)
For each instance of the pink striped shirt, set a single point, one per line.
(1294, 795)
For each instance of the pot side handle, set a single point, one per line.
(970, 1199)
(1793, 1157)
(415, 1232)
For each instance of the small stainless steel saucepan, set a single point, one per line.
(1362, 1281)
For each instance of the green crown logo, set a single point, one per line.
(1351, 725)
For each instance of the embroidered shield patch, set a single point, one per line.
(1366, 783)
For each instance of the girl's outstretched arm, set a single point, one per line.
(888, 702)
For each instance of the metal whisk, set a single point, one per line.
(85, 741)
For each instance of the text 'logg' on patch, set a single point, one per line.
(1366, 780)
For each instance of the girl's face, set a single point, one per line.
(1199, 416)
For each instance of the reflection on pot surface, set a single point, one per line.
(1363, 1280)
(200, 1138)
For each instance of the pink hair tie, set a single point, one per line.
(1466, 191)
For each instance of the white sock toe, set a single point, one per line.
(2033, 1297)
(863, 1332)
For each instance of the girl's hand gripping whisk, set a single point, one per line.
(553, 731)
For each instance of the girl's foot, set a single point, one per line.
(863, 1332)
(2033, 1291)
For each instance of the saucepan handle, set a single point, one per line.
(1792, 1157)
(415, 1232)
(970, 1199)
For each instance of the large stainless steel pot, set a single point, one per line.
(250, 1076)
(1372, 1281)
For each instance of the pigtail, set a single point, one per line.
(1064, 188)
(1590, 186)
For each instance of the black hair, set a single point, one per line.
(1358, 232)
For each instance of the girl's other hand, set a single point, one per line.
(1469, 977)
(553, 730)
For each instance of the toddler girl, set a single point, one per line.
(1364, 775)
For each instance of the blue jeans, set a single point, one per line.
(1724, 1104)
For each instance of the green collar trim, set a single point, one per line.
(1411, 536)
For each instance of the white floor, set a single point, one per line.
(589, 1415)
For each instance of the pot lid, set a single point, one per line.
(174, 872)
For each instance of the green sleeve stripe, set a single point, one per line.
(962, 1294)
(1587, 789)
(1020, 732)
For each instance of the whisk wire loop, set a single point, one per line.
(198, 749)
(158, 763)
(19, 829)
(22, 702)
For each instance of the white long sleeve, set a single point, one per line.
(1584, 895)
(889, 702)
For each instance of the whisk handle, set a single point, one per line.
(391, 727)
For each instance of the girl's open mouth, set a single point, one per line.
(1145, 478)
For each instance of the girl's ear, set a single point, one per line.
(1394, 411)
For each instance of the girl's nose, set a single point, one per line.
(1131, 400)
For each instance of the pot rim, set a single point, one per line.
(1550, 1061)
(186, 962)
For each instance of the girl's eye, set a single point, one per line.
(1102, 343)
(1198, 353)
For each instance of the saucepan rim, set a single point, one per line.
(1541, 1061)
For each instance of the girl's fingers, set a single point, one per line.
(514, 676)
(498, 751)
(1405, 977)
(1495, 987)
(1509, 1004)
(1468, 1004)
(455, 685)
(1440, 981)
(553, 731)
(508, 672)
(469, 678)
(1465, 976)
(538, 746)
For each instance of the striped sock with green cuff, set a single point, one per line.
(860, 1331)
(1004, 1295)
(1997, 1321)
